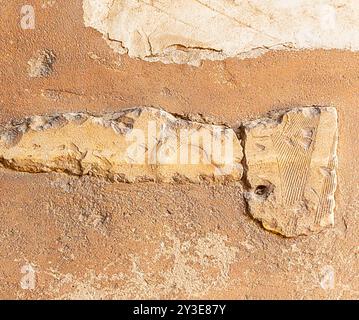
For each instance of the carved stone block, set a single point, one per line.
(291, 169)
(140, 144)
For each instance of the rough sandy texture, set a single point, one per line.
(41, 65)
(188, 31)
(90, 238)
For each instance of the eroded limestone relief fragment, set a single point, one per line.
(140, 144)
(291, 169)
(188, 31)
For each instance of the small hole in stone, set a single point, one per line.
(264, 190)
(261, 190)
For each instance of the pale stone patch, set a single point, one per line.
(210, 255)
(41, 64)
(188, 31)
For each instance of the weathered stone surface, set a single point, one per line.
(291, 169)
(188, 31)
(41, 65)
(140, 144)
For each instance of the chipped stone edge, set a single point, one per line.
(11, 133)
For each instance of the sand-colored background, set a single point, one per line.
(88, 238)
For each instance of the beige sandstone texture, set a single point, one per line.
(81, 236)
(188, 31)
(291, 169)
(139, 144)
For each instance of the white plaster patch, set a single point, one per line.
(189, 31)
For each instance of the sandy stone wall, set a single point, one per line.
(80, 236)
